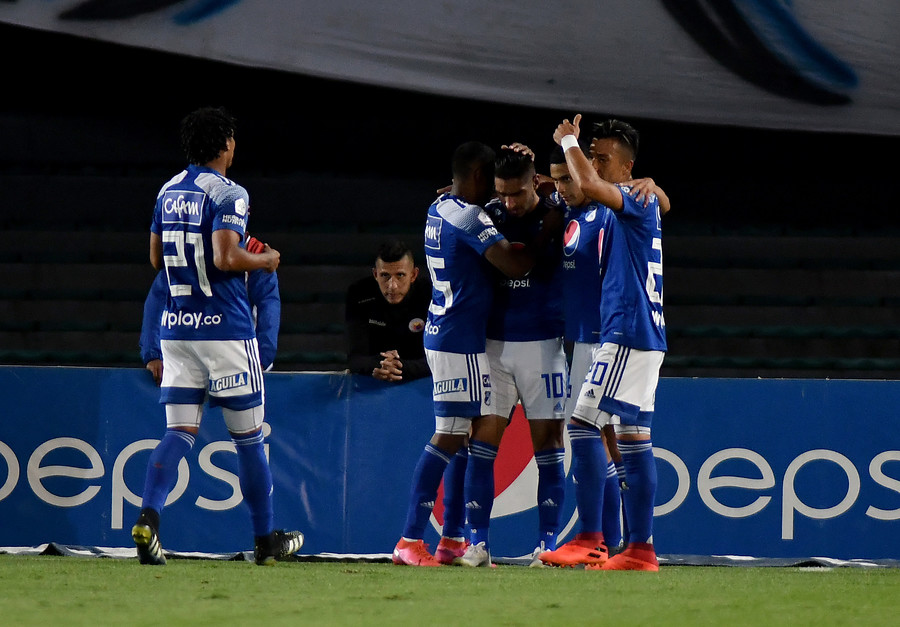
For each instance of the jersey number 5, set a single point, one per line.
(653, 269)
(434, 264)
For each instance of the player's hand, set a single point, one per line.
(519, 147)
(642, 189)
(544, 184)
(567, 128)
(274, 258)
(155, 366)
(254, 245)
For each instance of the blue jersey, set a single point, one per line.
(203, 302)
(530, 308)
(631, 307)
(583, 241)
(456, 235)
(262, 288)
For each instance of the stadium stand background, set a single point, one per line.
(781, 255)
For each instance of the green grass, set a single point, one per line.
(90, 591)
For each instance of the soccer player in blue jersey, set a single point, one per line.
(620, 387)
(207, 338)
(586, 223)
(459, 239)
(265, 303)
(525, 336)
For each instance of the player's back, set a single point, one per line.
(456, 235)
(632, 298)
(203, 302)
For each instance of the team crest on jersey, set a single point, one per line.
(228, 383)
(449, 386)
(182, 207)
(416, 325)
(433, 232)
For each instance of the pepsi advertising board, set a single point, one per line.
(764, 468)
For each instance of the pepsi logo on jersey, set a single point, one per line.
(570, 238)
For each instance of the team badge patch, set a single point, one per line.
(416, 325)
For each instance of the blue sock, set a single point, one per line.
(426, 480)
(612, 527)
(480, 490)
(638, 498)
(551, 492)
(454, 496)
(162, 470)
(256, 480)
(589, 471)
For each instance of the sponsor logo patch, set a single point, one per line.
(227, 383)
(449, 386)
(195, 320)
(433, 232)
(182, 207)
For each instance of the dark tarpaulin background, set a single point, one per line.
(75, 106)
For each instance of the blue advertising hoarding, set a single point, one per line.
(766, 468)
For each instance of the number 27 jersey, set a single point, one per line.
(203, 302)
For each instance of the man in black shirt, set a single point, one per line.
(386, 315)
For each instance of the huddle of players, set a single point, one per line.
(551, 258)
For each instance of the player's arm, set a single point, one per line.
(156, 256)
(512, 261)
(229, 256)
(151, 355)
(642, 189)
(581, 170)
(262, 288)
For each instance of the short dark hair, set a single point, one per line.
(511, 164)
(394, 250)
(558, 155)
(204, 134)
(622, 131)
(472, 156)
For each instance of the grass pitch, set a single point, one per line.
(89, 591)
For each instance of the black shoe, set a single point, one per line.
(276, 545)
(146, 539)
